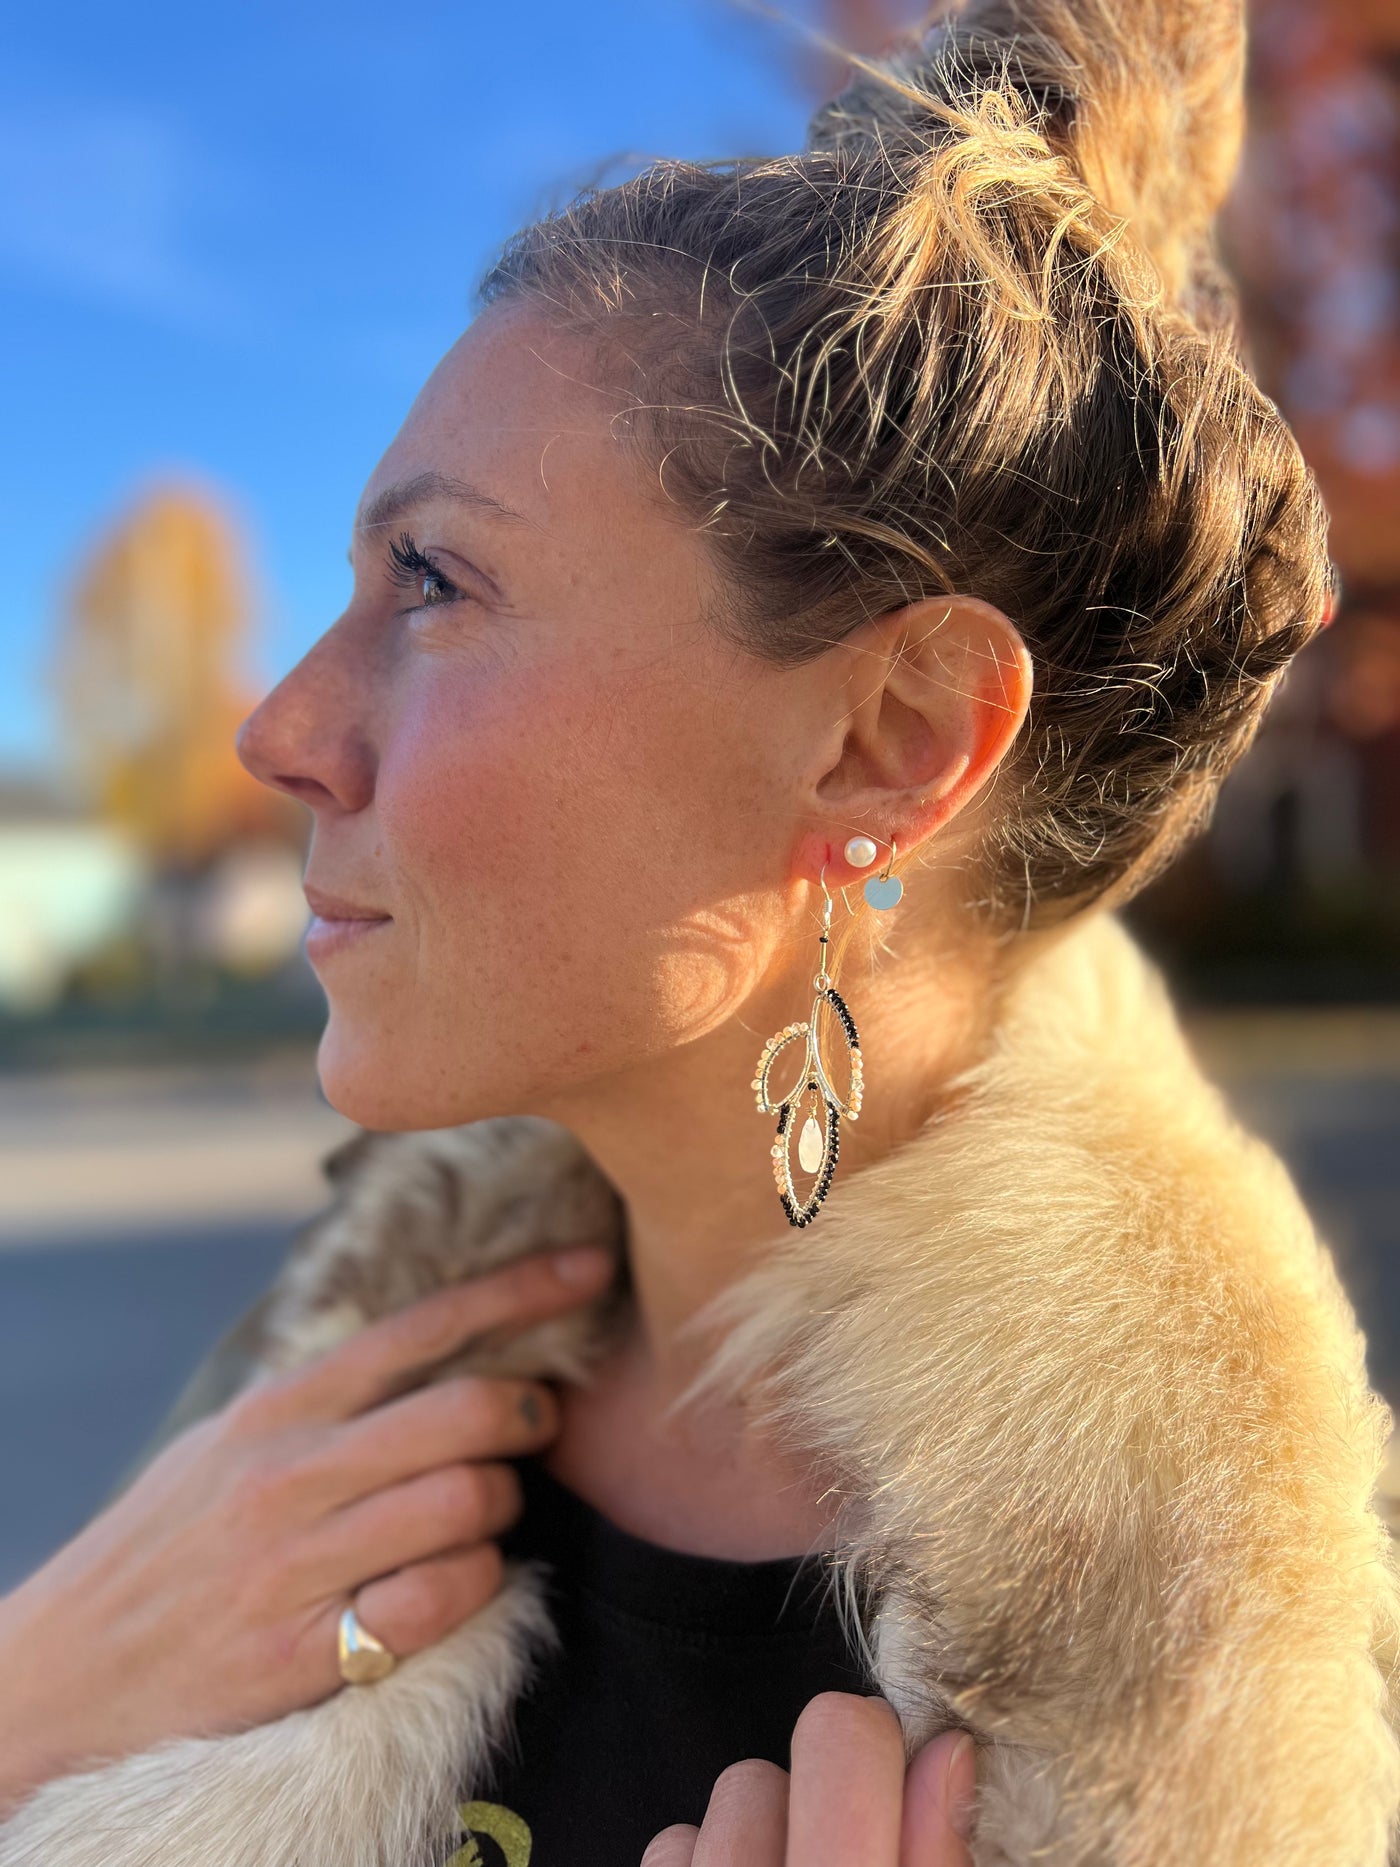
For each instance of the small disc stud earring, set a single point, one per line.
(883, 891)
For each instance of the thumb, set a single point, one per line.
(938, 1794)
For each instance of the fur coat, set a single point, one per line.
(1097, 1408)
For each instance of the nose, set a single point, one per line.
(306, 737)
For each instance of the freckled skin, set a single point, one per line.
(561, 799)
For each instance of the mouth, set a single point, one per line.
(337, 924)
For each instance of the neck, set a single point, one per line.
(686, 1148)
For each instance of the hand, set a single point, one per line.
(206, 1597)
(849, 1798)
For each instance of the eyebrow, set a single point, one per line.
(395, 500)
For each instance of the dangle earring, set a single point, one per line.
(820, 1141)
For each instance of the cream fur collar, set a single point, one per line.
(1096, 1406)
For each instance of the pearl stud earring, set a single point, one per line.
(861, 851)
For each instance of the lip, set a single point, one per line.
(338, 907)
(337, 923)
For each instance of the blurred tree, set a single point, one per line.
(149, 688)
(1312, 234)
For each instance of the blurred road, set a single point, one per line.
(140, 1212)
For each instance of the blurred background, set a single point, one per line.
(234, 241)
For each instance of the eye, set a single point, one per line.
(410, 566)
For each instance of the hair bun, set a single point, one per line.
(1145, 97)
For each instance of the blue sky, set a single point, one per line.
(234, 239)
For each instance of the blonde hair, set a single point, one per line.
(974, 338)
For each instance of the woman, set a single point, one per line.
(895, 513)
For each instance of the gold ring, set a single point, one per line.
(363, 1659)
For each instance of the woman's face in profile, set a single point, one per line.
(572, 806)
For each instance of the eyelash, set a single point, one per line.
(410, 566)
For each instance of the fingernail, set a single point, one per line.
(960, 1785)
(582, 1264)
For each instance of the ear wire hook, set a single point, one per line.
(827, 893)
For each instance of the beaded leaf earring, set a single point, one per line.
(820, 1141)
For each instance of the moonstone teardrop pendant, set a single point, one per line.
(809, 1145)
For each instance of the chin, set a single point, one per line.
(387, 1084)
(364, 1083)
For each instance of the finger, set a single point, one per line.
(412, 1608)
(847, 1793)
(673, 1847)
(454, 1506)
(416, 1606)
(746, 1819)
(381, 1358)
(472, 1416)
(934, 1785)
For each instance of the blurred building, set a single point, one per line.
(69, 887)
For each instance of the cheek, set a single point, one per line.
(514, 803)
(557, 824)
(579, 858)
(493, 790)
(462, 794)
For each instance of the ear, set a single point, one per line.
(937, 692)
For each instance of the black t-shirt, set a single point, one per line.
(670, 1666)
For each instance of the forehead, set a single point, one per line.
(513, 412)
